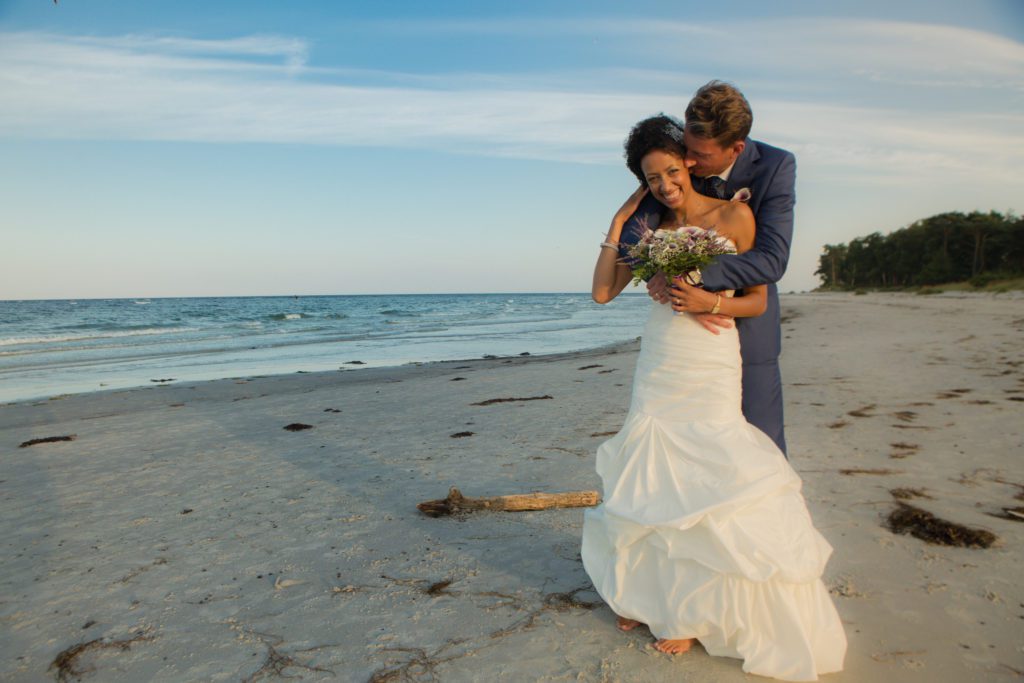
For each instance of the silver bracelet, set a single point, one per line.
(610, 245)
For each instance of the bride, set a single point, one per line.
(703, 534)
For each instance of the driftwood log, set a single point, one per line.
(456, 502)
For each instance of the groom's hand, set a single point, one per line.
(657, 288)
(697, 302)
(714, 322)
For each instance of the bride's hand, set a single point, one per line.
(688, 299)
(629, 207)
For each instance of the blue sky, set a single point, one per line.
(260, 147)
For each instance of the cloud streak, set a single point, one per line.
(842, 47)
(262, 89)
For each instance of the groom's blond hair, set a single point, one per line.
(719, 112)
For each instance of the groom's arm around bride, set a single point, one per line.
(772, 200)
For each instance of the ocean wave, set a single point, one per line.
(288, 316)
(400, 313)
(56, 339)
(102, 326)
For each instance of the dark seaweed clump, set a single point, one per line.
(46, 439)
(492, 401)
(907, 519)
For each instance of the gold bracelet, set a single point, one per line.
(718, 303)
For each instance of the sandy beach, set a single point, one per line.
(184, 534)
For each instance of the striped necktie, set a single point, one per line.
(714, 187)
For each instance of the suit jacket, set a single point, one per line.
(770, 173)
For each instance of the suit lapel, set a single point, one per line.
(743, 172)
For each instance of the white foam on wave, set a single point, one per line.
(54, 339)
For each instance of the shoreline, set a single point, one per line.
(346, 366)
(320, 378)
(187, 534)
(298, 296)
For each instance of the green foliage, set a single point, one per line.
(983, 280)
(948, 247)
(939, 269)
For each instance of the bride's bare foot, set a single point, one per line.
(625, 624)
(673, 647)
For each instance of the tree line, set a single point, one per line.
(950, 247)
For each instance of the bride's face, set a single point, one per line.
(668, 176)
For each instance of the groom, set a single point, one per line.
(718, 120)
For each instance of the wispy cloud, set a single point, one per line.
(263, 89)
(127, 88)
(523, 27)
(857, 48)
(895, 51)
(293, 51)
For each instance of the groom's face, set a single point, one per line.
(709, 157)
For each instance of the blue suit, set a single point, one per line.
(770, 173)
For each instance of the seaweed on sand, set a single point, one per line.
(907, 519)
(492, 401)
(46, 439)
(66, 662)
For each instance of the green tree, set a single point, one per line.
(943, 248)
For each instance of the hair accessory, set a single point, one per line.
(674, 130)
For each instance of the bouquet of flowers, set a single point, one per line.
(681, 252)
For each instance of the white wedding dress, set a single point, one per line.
(703, 532)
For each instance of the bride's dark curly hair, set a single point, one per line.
(662, 133)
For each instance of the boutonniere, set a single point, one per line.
(742, 195)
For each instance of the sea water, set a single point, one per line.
(56, 347)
